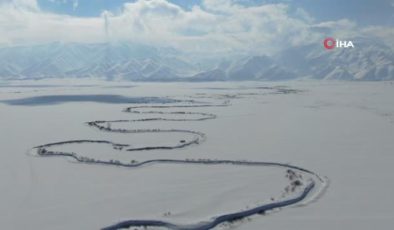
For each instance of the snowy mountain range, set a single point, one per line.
(369, 60)
(109, 61)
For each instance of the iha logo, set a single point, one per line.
(331, 43)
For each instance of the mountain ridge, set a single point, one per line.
(369, 60)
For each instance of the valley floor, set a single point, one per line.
(342, 131)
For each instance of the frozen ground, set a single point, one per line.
(341, 130)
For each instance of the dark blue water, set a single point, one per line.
(99, 98)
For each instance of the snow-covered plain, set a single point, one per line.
(343, 131)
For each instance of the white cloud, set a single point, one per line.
(20, 4)
(216, 25)
(22, 23)
(343, 24)
(382, 32)
(75, 4)
(341, 29)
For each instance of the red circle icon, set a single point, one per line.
(329, 43)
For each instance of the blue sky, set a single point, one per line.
(92, 8)
(364, 12)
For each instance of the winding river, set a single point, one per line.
(307, 188)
